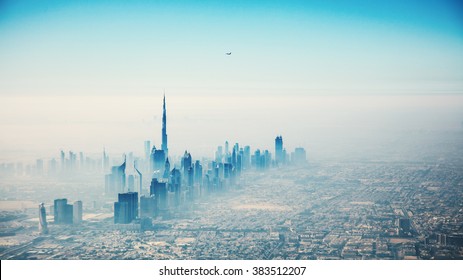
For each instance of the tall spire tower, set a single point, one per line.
(164, 127)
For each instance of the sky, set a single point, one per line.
(62, 61)
(113, 47)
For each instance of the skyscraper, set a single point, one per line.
(239, 161)
(43, 225)
(115, 182)
(233, 157)
(164, 128)
(226, 150)
(105, 161)
(131, 183)
(39, 166)
(218, 154)
(121, 213)
(159, 191)
(279, 158)
(77, 212)
(81, 160)
(63, 211)
(175, 185)
(198, 173)
(147, 149)
(299, 156)
(151, 159)
(159, 159)
(62, 160)
(186, 164)
(147, 206)
(140, 177)
(166, 169)
(126, 209)
(72, 161)
(227, 170)
(52, 169)
(190, 179)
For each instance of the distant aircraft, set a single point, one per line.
(228, 53)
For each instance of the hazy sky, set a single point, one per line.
(111, 47)
(82, 74)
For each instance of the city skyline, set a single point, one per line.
(84, 76)
(376, 209)
(231, 130)
(376, 118)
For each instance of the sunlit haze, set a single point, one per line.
(39, 126)
(231, 130)
(87, 75)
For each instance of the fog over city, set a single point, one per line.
(231, 130)
(330, 126)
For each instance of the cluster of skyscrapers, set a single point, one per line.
(173, 188)
(67, 165)
(170, 188)
(65, 213)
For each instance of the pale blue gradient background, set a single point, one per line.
(341, 47)
(81, 75)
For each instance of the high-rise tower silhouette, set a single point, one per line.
(279, 155)
(140, 177)
(43, 225)
(164, 128)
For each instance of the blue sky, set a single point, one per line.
(300, 47)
